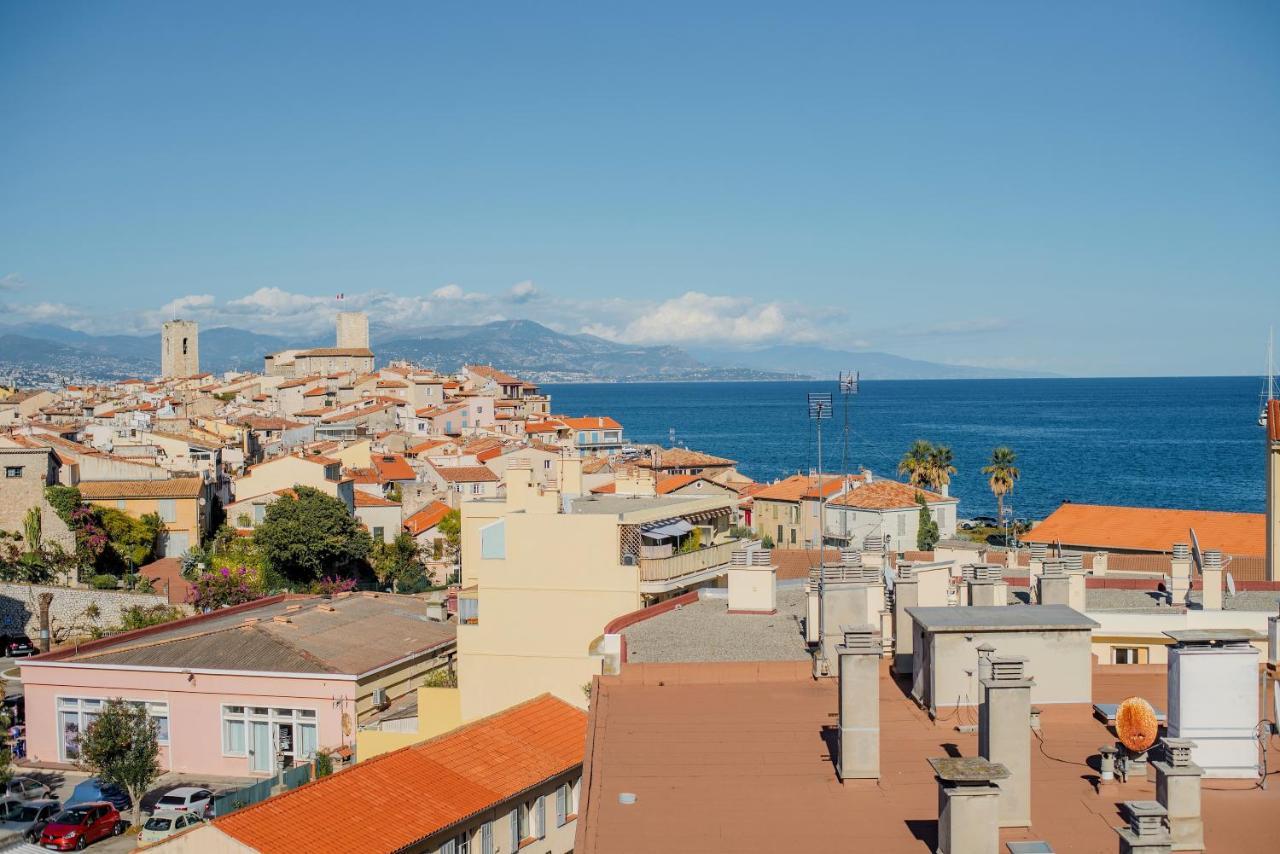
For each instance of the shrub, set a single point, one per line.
(331, 585)
(224, 587)
(104, 582)
(324, 765)
(766, 541)
(141, 616)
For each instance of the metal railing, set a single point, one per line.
(688, 563)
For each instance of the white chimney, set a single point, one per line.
(1213, 698)
(859, 736)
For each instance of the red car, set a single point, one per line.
(78, 826)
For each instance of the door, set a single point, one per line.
(260, 747)
(177, 543)
(284, 745)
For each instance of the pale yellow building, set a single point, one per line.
(182, 504)
(546, 569)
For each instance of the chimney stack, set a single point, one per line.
(1039, 551)
(1178, 791)
(1004, 735)
(1180, 574)
(753, 582)
(1214, 699)
(987, 586)
(968, 804)
(859, 737)
(1076, 587)
(1211, 576)
(1147, 831)
(905, 595)
(1053, 584)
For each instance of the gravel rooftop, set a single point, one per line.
(706, 631)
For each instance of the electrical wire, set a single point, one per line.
(1045, 754)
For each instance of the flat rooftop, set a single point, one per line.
(737, 757)
(360, 633)
(706, 631)
(1000, 618)
(616, 505)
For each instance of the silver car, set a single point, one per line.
(27, 789)
(28, 817)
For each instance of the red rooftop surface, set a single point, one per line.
(394, 800)
(736, 757)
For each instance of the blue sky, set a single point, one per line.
(1087, 188)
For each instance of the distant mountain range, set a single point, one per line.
(828, 363)
(521, 347)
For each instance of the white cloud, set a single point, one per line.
(12, 282)
(699, 317)
(523, 291)
(448, 292)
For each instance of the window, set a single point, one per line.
(168, 509)
(75, 714)
(259, 513)
(540, 817)
(779, 538)
(236, 721)
(1129, 655)
(233, 734)
(546, 464)
(13, 471)
(793, 536)
(902, 524)
(459, 844)
(377, 534)
(563, 794)
(121, 504)
(477, 488)
(493, 541)
(486, 838)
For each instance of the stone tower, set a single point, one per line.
(180, 349)
(353, 330)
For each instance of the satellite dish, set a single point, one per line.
(1136, 724)
(1231, 584)
(1195, 551)
(888, 578)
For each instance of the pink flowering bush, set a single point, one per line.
(332, 584)
(225, 586)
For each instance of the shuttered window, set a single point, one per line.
(540, 817)
(562, 805)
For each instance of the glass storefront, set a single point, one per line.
(270, 738)
(76, 713)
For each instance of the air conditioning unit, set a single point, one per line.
(380, 697)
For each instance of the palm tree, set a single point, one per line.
(940, 467)
(916, 464)
(1003, 474)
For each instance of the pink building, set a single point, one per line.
(244, 690)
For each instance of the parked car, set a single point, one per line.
(30, 817)
(13, 645)
(27, 789)
(165, 823)
(81, 825)
(93, 789)
(186, 799)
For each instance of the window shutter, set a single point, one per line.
(450, 847)
(515, 828)
(540, 817)
(562, 806)
(486, 838)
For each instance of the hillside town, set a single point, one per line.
(411, 611)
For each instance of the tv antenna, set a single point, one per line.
(819, 411)
(848, 388)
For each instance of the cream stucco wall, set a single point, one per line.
(283, 473)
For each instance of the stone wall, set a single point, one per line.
(70, 615)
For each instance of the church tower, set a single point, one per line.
(180, 349)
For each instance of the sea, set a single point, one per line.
(1187, 442)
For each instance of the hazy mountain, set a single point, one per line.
(822, 362)
(522, 347)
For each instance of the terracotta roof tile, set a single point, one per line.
(884, 495)
(392, 801)
(1151, 529)
(798, 486)
(366, 499)
(393, 467)
(177, 487)
(466, 474)
(426, 518)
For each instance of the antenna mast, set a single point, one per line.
(819, 411)
(848, 388)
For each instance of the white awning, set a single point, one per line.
(678, 528)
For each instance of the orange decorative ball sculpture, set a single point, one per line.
(1136, 724)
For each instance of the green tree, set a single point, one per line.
(307, 536)
(1001, 475)
(141, 616)
(397, 562)
(940, 467)
(32, 529)
(916, 463)
(451, 528)
(64, 500)
(122, 747)
(130, 542)
(926, 529)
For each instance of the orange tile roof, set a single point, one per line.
(1151, 529)
(400, 798)
(465, 474)
(798, 486)
(543, 427)
(665, 485)
(177, 487)
(393, 467)
(592, 423)
(426, 518)
(675, 458)
(365, 499)
(885, 495)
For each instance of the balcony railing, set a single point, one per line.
(689, 563)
